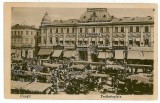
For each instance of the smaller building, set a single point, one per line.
(23, 41)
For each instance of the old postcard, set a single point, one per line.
(81, 51)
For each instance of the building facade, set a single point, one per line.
(98, 36)
(23, 41)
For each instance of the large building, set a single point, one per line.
(98, 36)
(23, 41)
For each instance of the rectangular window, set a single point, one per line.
(72, 42)
(146, 42)
(85, 42)
(50, 30)
(107, 29)
(73, 30)
(86, 30)
(80, 42)
(122, 29)
(130, 42)
(116, 29)
(101, 29)
(122, 42)
(100, 42)
(15, 33)
(21, 32)
(61, 30)
(93, 42)
(67, 30)
(27, 32)
(80, 30)
(56, 30)
(57, 40)
(115, 42)
(94, 30)
(137, 29)
(61, 42)
(131, 29)
(137, 43)
(146, 29)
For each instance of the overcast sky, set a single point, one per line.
(33, 16)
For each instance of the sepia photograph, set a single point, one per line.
(81, 52)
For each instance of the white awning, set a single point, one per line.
(68, 54)
(57, 53)
(119, 54)
(135, 55)
(149, 55)
(104, 55)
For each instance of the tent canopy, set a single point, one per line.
(69, 54)
(45, 51)
(57, 53)
(18, 84)
(51, 65)
(81, 67)
(104, 55)
(37, 86)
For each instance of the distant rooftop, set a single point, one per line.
(18, 26)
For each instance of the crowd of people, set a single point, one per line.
(66, 79)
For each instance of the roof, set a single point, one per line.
(46, 18)
(95, 14)
(133, 19)
(18, 26)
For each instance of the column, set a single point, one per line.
(126, 41)
(142, 40)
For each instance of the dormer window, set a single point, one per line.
(84, 17)
(104, 16)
